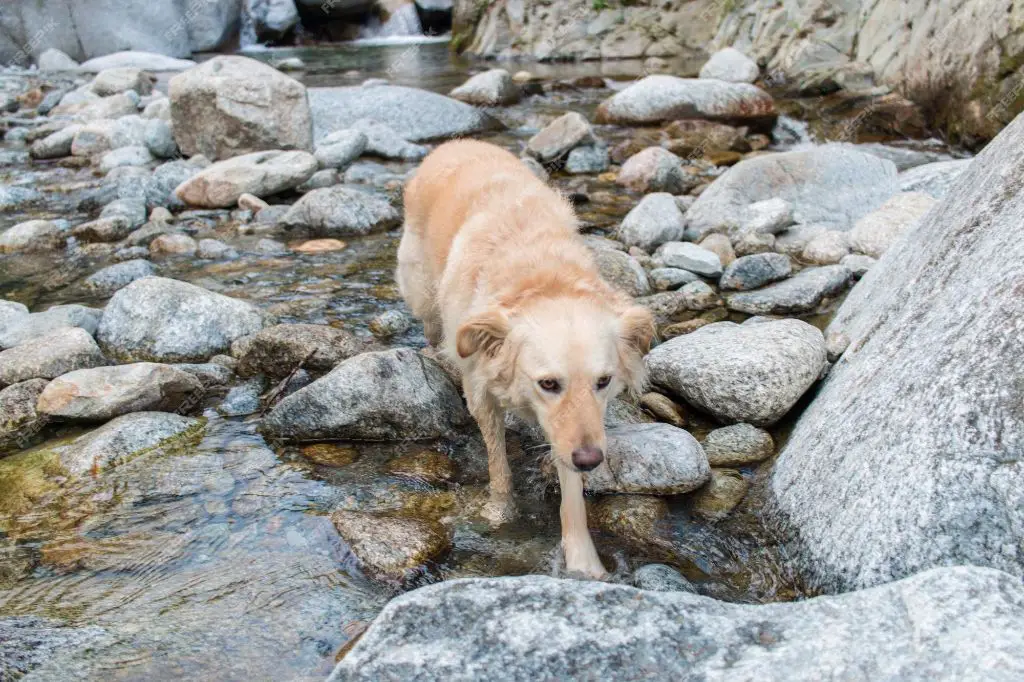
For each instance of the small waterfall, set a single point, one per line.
(403, 21)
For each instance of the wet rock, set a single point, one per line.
(119, 275)
(428, 466)
(27, 642)
(389, 547)
(656, 219)
(667, 279)
(173, 244)
(390, 323)
(690, 257)
(720, 245)
(622, 271)
(751, 272)
(416, 115)
(277, 350)
(383, 141)
(770, 216)
(691, 138)
(827, 248)
(339, 149)
(164, 320)
(125, 156)
(233, 106)
(858, 264)
(22, 329)
(261, 173)
(655, 170)
(934, 625)
(341, 212)
(101, 393)
(729, 64)
(55, 145)
(807, 291)
(110, 229)
(488, 89)
(587, 159)
(124, 437)
(208, 373)
(929, 471)
(741, 373)
(721, 495)
(692, 297)
(661, 578)
(387, 395)
(633, 518)
(559, 137)
(663, 409)
(33, 236)
(19, 420)
(243, 399)
(330, 454)
(738, 445)
(832, 185)
(653, 459)
(320, 246)
(877, 231)
(933, 179)
(50, 356)
(212, 249)
(667, 98)
(120, 79)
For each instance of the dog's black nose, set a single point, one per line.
(587, 457)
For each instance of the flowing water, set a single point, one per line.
(216, 559)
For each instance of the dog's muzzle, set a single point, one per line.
(587, 458)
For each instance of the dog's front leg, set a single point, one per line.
(578, 546)
(500, 508)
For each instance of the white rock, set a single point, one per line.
(729, 64)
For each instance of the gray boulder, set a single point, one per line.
(47, 357)
(947, 624)
(741, 373)
(19, 420)
(656, 170)
(339, 149)
(416, 115)
(24, 328)
(106, 281)
(591, 158)
(101, 393)
(875, 233)
(27, 642)
(230, 106)
(53, 59)
(163, 320)
(656, 219)
(651, 459)
(806, 292)
(658, 98)
(738, 445)
(566, 132)
(272, 20)
(276, 351)
(488, 89)
(729, 64)
(751, 272)
(833, 185)
(341, 212)
(388, 395)
(32, 236)
(690, 257)
(622, 271)
(384, 141)
(260, 173)
(933, 179)
(122, 438)
(909, 455)
(138, 59)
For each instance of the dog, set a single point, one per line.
(492, 262)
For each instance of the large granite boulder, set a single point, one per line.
(229, 106)
(910, 454)
(946, 624)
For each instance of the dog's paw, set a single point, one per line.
(499, 510)
(586, 565)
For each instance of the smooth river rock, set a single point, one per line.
(47, 357)
(21, 329)
(806, 292)
(948, 624)
(741, 373)
(276, 351)
(260, 173)
(656, 219)
(341, 212)
(652, 459)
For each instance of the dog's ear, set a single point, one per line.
(485, 332)
(637, 328)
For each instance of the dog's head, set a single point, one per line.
(562, 360)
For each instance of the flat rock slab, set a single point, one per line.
(341, 212)
(417, 115)
(261, 174)
(806, 292)
(21, 329)
(387, 395)
(741, 373)
(276, 351)
(391, 547)
(946, 624)
(652, 459)
(65, 350)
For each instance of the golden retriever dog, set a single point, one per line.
(492, 263)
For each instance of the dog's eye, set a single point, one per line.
(603, 382)
(550, 385)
